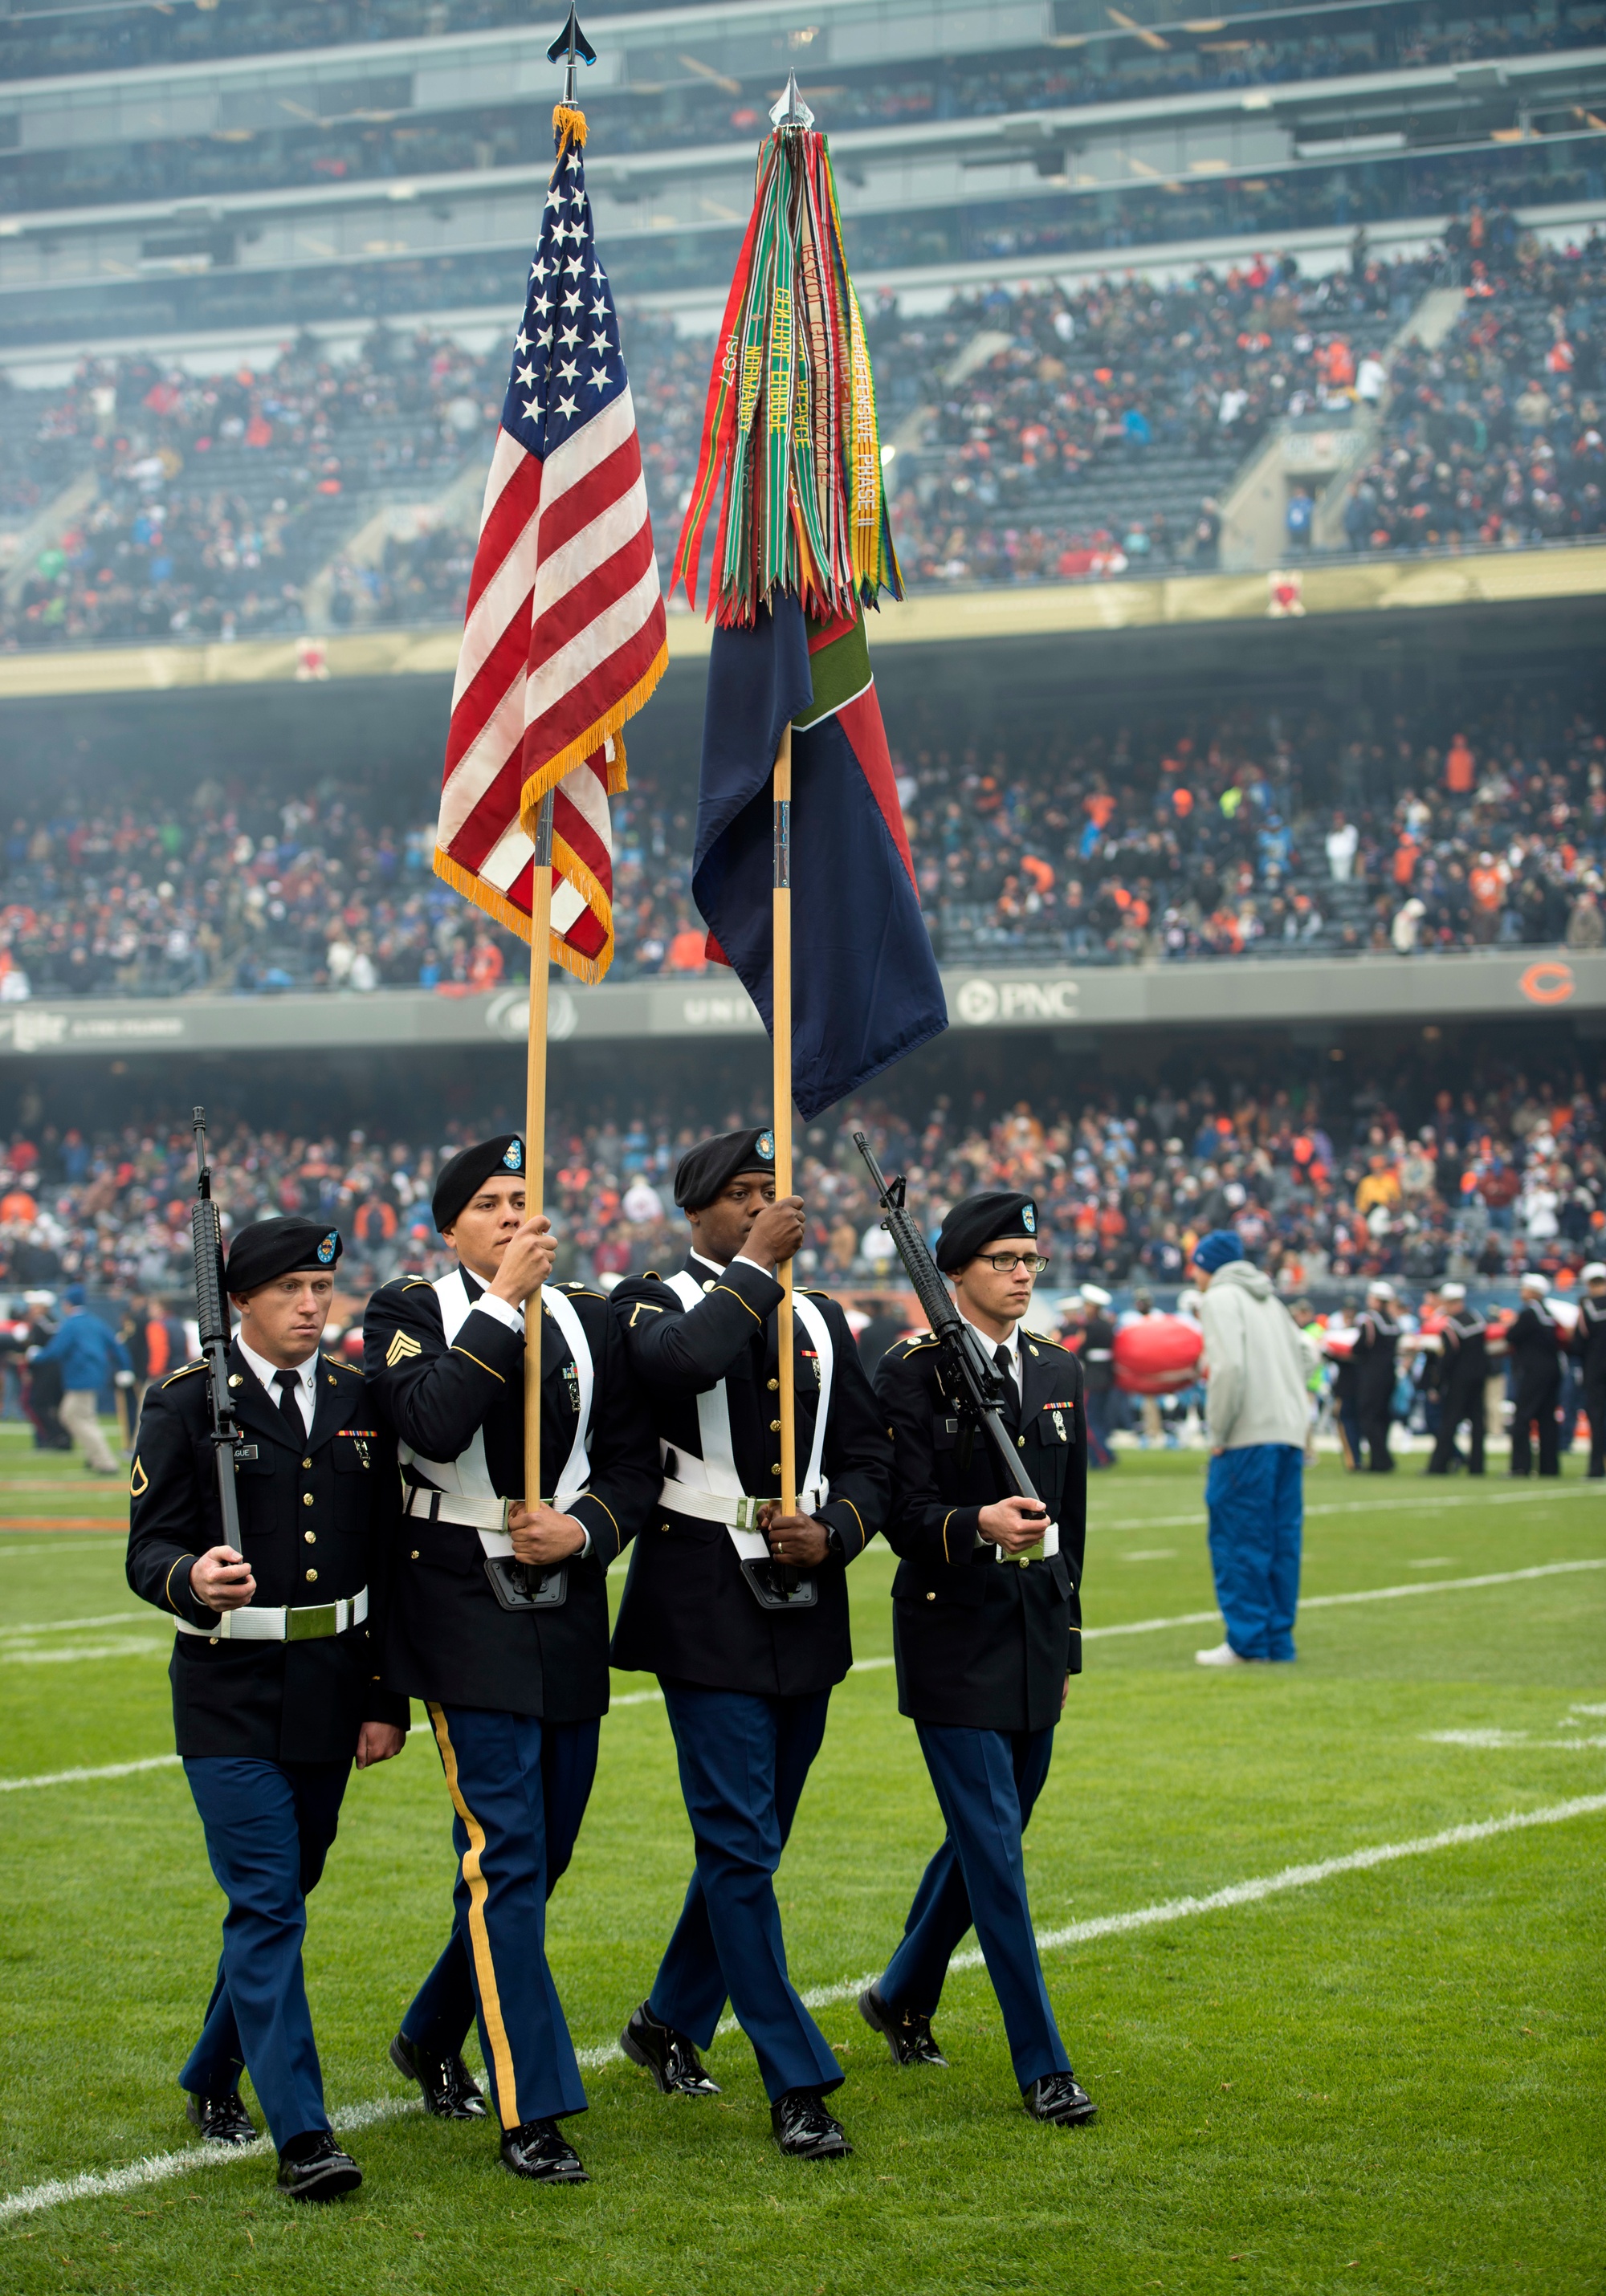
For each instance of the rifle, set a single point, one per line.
(967, 1372)
(211, 1317)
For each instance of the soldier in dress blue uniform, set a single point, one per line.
(986, 1618)
(741, 1612)
(274, 1670)
(499, 1623)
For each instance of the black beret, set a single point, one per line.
(976, 1221)
(704, 1170)
(468, 1171)
(271, 1248)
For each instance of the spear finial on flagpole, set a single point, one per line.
(790, 110)
(570, 47)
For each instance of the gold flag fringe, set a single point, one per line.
(587, 968)
(569, 123)
(608, 727)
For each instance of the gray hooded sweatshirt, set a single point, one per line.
(1257, 1362)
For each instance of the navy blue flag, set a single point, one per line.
(865, 984)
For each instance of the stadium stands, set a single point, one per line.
(1322, 834)
(1495, 436)
(1506, 1173)
(1038, 435)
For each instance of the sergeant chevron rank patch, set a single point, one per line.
(401, 1347)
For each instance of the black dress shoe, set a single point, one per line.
(221, 2119)
(907, 2033)
(804, 2130)
(313, 2168)
(668, 2055)
(1059, 2098)
(535, 2149)
(450, 2092)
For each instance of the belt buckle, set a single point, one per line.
(746, 1513)
(310, 1624)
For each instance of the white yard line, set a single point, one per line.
(1530, 1494)
(1508, 1739)
(83, 1777)
(1362, 1594)
(158, 2168)
(130, 1646)
(73, 1626)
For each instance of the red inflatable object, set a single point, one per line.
(1158, 1356)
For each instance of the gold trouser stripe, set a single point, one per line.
(490, 2002)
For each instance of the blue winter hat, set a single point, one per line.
(1216, 1248)
(75, 1295)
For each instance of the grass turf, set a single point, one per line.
(1391, 2080)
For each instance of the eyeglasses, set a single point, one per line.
(1005, 1263)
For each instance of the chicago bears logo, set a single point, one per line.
(329, 1248)
(514, 1156)
(764, 1147)
(1028, 1218)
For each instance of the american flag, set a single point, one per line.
(564, 635)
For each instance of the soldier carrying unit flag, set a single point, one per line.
(802, 545)
(565, 635)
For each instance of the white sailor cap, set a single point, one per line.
(1595, 1273)
(1453, 1292)
(1092, 1297)
(1531, 1280)
(1381, 1289)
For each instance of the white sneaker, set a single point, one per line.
(1223, 1654)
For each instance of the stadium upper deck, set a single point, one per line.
(401, 164)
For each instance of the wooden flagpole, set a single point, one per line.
(535, 1130)
(781, 1015)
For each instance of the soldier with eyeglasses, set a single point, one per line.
(986, 1618)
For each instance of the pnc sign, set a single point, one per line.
(983, 1003)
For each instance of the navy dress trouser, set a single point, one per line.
(443, 2007)
(268, 1829)
(494, 1772)
(744, 1759)
(987, 1783)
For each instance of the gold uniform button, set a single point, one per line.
(310, 1537)
(664, 1526)
(708, 1283)
(414, 1557)
(775, 1427)
(773, 1384)
(306, 1498)
(1022, 1441)
(311, 1575)
(776, 1469)
(306, 1462)
(1024, 1559)
(931, 1598)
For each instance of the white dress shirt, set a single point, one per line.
(306, 1381)
(1016, 1368)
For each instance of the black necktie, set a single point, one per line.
(288, 1382)
(1005, 1371)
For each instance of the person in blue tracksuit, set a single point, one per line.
(1257, 1363)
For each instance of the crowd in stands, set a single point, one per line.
(217, 497)
(1038, 435)
(1495, 436)
(1084, 443)
(1326, 833)
(1474, 1184)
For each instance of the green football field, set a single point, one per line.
(1316, 2069)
